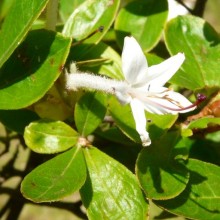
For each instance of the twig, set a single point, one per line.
(185, 6)
(51, 15)
(199, 8)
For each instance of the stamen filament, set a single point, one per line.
(200, 98)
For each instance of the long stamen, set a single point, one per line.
(200, 98)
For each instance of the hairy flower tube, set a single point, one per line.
(143, 87)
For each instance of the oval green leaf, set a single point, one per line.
(160, 175)
(89, 112)
(12, 33)
(32, 69)
(56, 178)
(201, 198)
(48, 137)
(88, 17)
(111, 191)
(144, 20)
(201, 45)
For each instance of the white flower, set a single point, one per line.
(145, 89)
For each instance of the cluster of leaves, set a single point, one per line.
(178, 172)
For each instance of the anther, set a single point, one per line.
(200, 97)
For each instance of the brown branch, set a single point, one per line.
(199, 8)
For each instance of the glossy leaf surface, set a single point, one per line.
(144, 20)
(89, 112)
(111, 191)
(56, 178)
(48, 137)
(16, 29)
(67, 7)
(201, 45)
(32, 69)
(201, 198)
(158, 170)
(88, 17)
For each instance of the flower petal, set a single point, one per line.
(183, 102)
(123, 97)
(134, 63)
(154, 108)
(140, 120)
(159, 74)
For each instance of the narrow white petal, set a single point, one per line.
(134, 63)
(159, 74)
(140, 120)
(123, 97)
(154, 109)
(171, 102)
(146, 98)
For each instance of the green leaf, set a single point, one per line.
(14, 30)
(89, 112)
(88, 17)
(200, 44)
(17, 120)
(159, 124)
(215, 136)
(201, 123)
(111, 191)
(5, 6)
(99, 58)
(160, 174)
(144, 20)
(32, 69)
(115, 135)
(48, 137)
(204, 123)
(153, 59)
(52, 105)
(67, 7)
(56, 178)
(201, 198)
